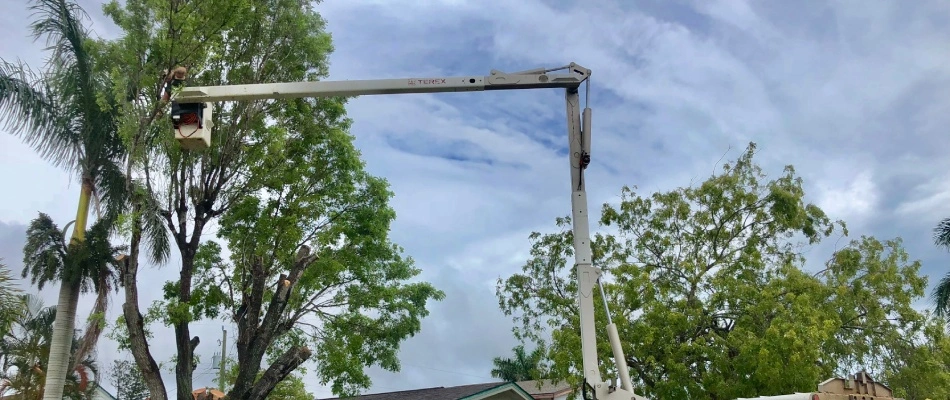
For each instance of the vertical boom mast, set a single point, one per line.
(191, 118)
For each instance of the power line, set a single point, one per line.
(446, 371)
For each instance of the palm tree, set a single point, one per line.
(523, 367)
(941, 293)
(10, 304)
(92, 265)
(24, 353)
(69, 115)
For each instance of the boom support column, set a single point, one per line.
(578, 132)
(587, 274)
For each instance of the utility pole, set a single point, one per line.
(224, 349)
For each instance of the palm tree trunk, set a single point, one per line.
(61, 342)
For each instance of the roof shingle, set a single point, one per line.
(436, 393)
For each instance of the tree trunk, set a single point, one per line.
(184, 366)
(61, 342)
(134, 322)
(254, 337)
(279, 370)
(57, 367)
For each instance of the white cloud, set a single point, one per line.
(930, 200)
(848, 199)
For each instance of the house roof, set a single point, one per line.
(104, 393)
(504, 390)
(547, 388)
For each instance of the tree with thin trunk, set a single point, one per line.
(128, 381)
(187, 191)
(68, 114)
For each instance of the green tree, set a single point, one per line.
(47, 257)
(25, 350)
(10, 301)
(311, 265)
(921, 369)
(523, 367)
(128, 381)
(290, 388)
(708, 288)
(181, 192)
(253, 147)
(67, 114)
(941, 293)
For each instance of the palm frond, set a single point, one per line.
(91, 110)
(60, 23)
(11, 305)
(96, 260)
(941, 297)
(29, 110)
(34, 304)
(942, 233)
(110, 184)
(153, 224)
(25, 355)
(45, 252)
(42, 322)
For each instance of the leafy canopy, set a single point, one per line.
(712, 296)
(353, 300)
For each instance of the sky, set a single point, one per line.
(852, 93)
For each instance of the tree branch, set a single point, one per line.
(280, 369)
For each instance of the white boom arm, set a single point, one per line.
(191, 109)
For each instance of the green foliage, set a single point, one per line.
(354, 303)
(220, 42)
(48, 258)
(68, 115)
(920, 369)
(523, 367)
(279, 174)
(10, 301)
(24, 352)
(708, 288)
(291, 388)
(65, 112)
(128, 381)
(941, 293)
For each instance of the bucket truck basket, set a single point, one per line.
(192, 122)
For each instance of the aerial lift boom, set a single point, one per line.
(191, 117)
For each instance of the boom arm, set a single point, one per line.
(534, 79)
(191, 111)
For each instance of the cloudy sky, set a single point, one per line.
(853, 93)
